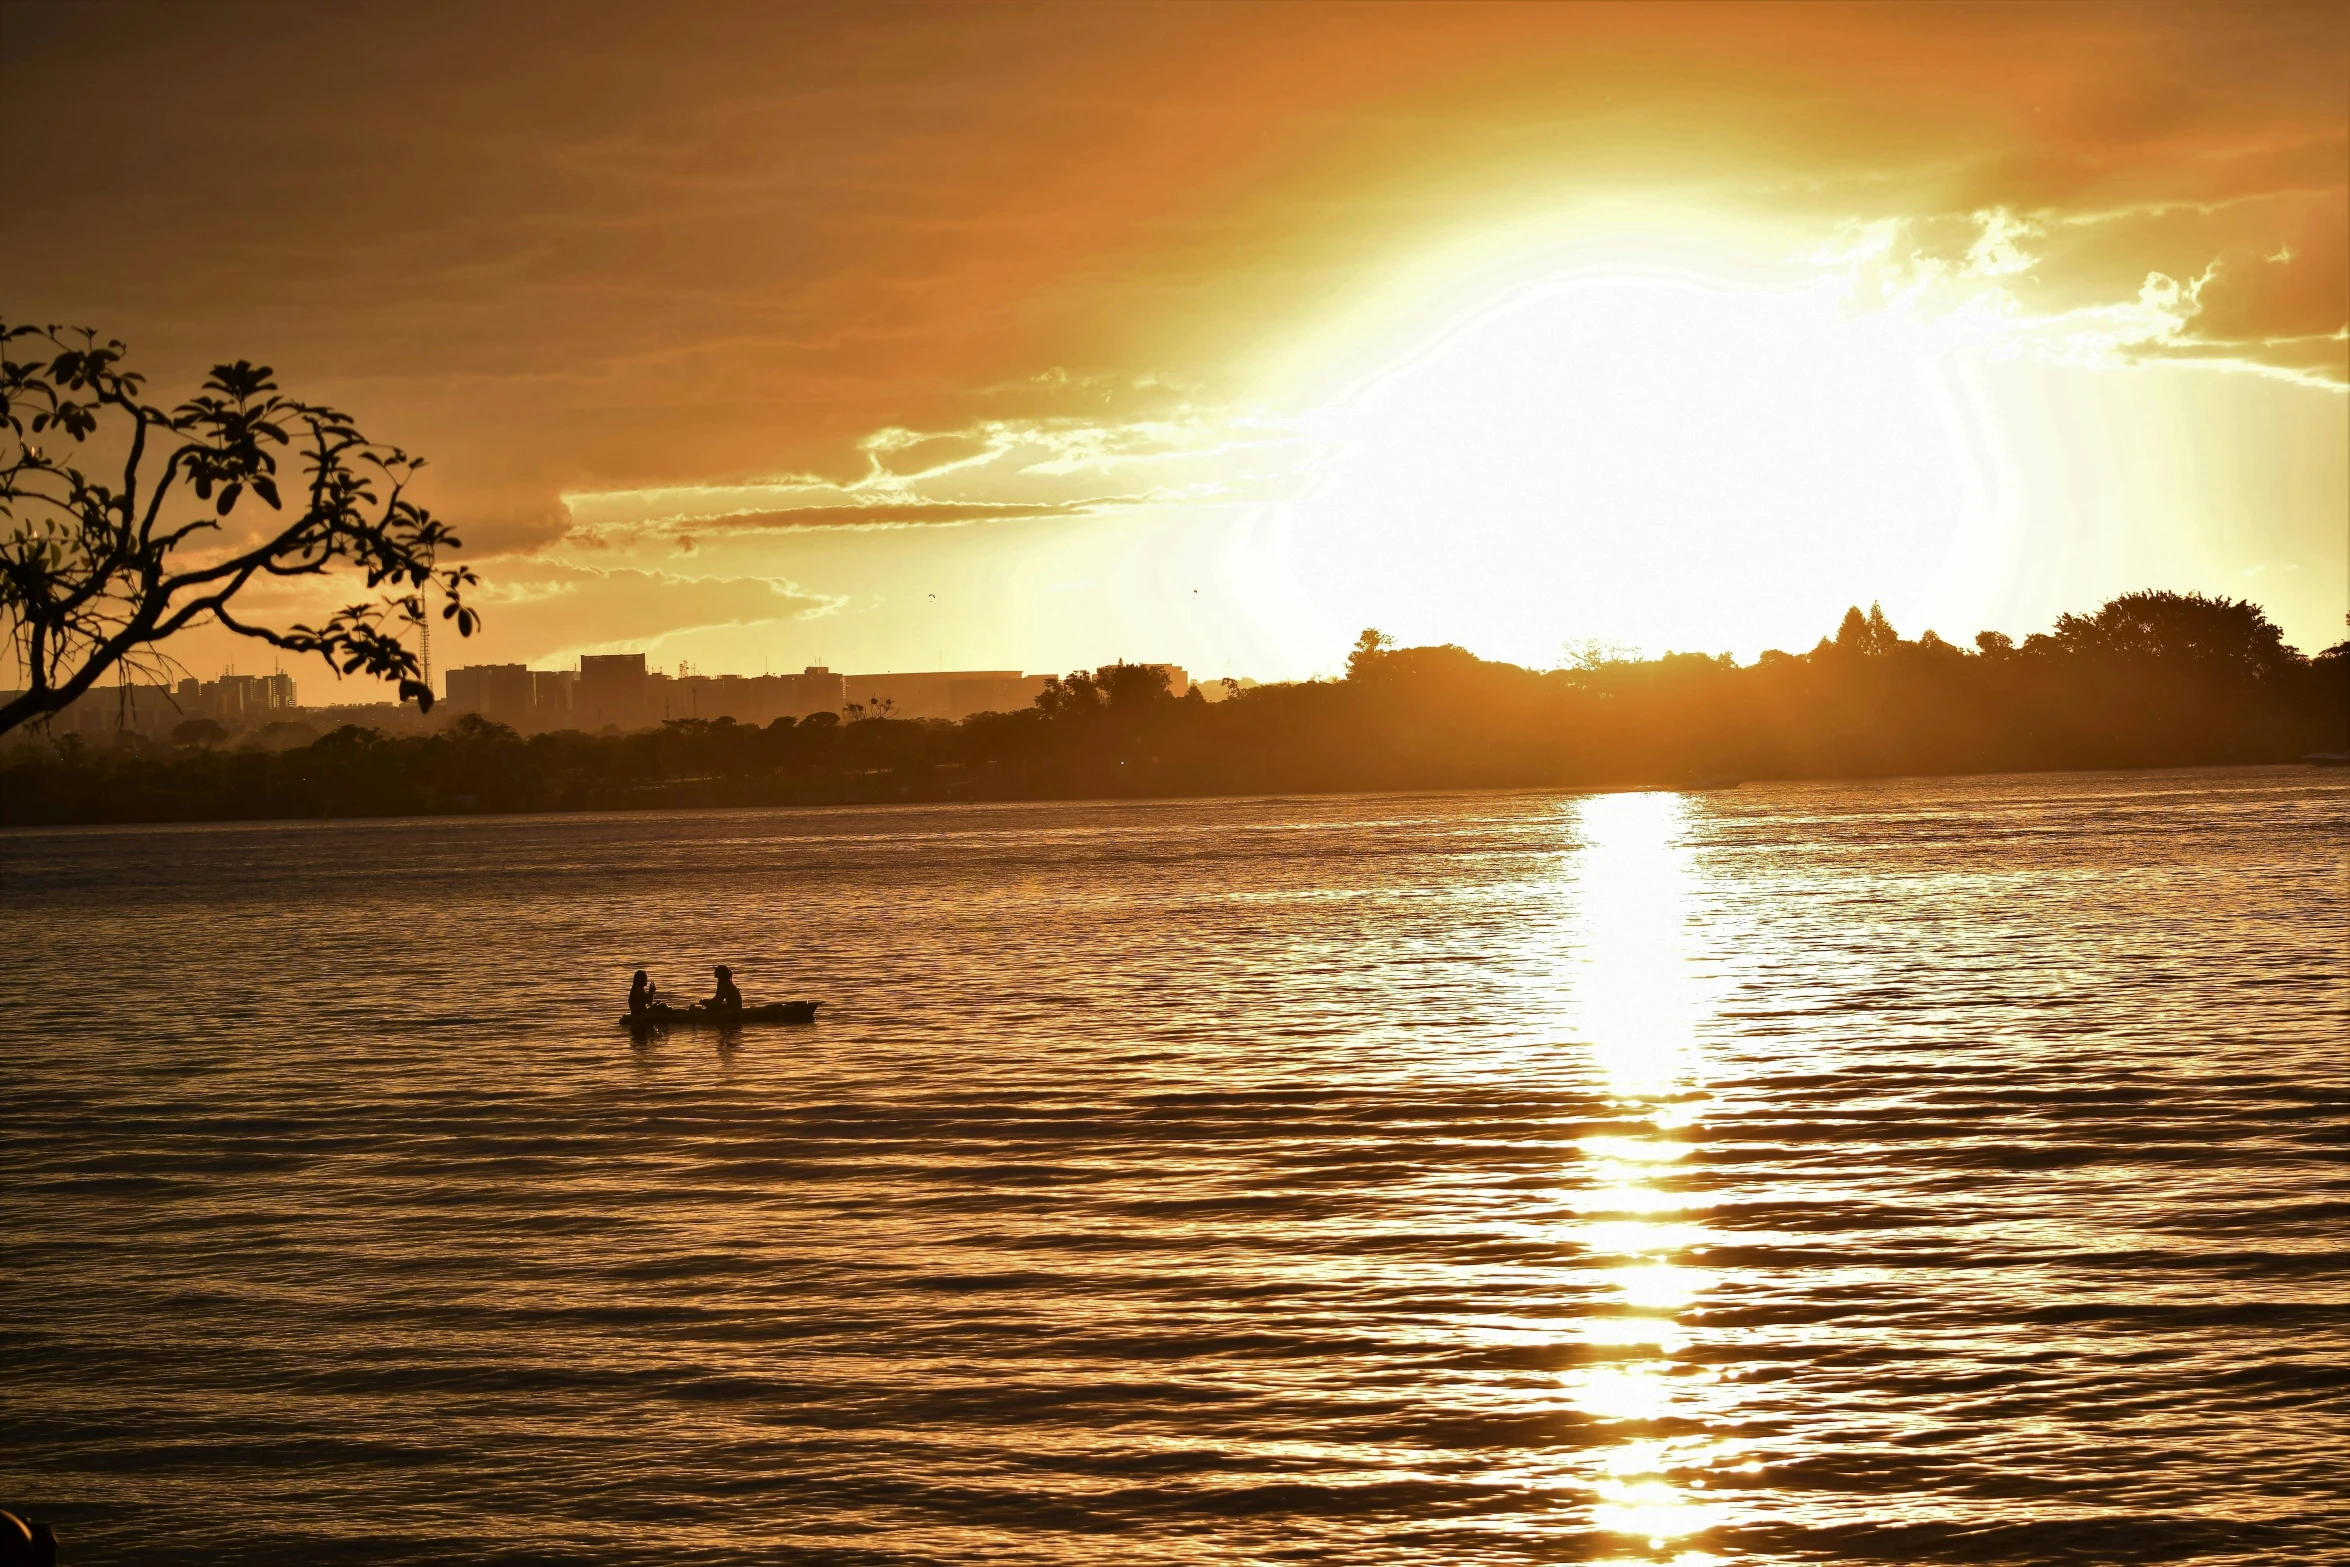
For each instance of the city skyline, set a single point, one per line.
(600, 692)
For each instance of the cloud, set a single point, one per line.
(658, 247)
(2284, 280)
(998, 470)
(904, 514)
(2261, 283)
(686, 530)
(541, 608)
(907, 455)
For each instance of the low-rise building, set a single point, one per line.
(551, 694)
(943, 693)
(238, 703)
(817, 689)
(505, 693)
(607, 690)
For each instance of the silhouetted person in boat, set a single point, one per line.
(643, 995)
(727, 999)
(21, 1540)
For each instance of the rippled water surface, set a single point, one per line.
(1945, 1170)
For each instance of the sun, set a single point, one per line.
(1650, 455)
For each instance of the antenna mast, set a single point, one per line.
(426, 659)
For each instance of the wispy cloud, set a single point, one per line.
(990, 471)
(2076, 288)
(541, 609)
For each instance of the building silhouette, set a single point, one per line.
(607, 691)
(611, 690)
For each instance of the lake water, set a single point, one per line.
(1914, 1171)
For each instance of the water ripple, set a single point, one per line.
(1926, 1171)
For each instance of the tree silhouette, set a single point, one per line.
(199, 731)
(1119, 687)
(1586, 654)
(1427, 717)
(1365, 654)
(2234, 635)
(1869, 636)
(1127, 686)
(96, 576)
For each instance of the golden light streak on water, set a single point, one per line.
(1636, 1007)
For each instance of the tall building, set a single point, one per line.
(611, 690)
(247, 700)
(238, 703)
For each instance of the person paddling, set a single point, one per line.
(641, 994)
(727, 998)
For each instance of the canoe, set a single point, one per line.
(683, 1017)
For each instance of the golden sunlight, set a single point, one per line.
(796, 780)
(1659, 457)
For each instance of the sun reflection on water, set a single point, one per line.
(1636, 1006)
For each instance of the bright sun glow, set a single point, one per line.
(1657, 458)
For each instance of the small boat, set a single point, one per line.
(692, 1017)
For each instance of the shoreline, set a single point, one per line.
(1268, 796)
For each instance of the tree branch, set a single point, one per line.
(86, 576)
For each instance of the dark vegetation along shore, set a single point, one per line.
(2152, 679)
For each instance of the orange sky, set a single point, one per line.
(758, 334)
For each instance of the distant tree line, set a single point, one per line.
(2149, 680)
